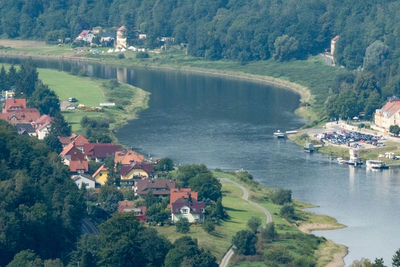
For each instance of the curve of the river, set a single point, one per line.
(228, 124)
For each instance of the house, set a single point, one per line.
(142, 170)
(333, 44)
(100, 151)
(71, 153)
(16, 116)
(67, 140)
(121, 42)
(79, 166)
(86, 36)
(177, 193)
(127, 157)
(83, 179)
(159, 187)
(25, 129)
(43, 126)
(79, 140)
(388, 115)
(190, 209)
(128, 206)
(101, 175)
(13, 104)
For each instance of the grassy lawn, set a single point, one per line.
(239, 212)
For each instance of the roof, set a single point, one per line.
(84, 33)
(82, 176)
(100, 150)
(177, 193)
(14, 103)
(24, 127)
(391, 107)
(146, 166)
(43, 120)
(76, 165)
(127, 157)
(335, 38)
(122, 28)
(128, 206)
(100, 169)
(157, 187)
(195, 206)
(21, 116)
(66, 140)
(72, 151)
(80, 141)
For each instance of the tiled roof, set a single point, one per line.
(67, 140)
(71, 150)
(127, 157)
(146, 166)
(43, 120)
(84, 33)
(14, 104)
(157, 187)
(100, 150)
(177, 193)
(76, 165)
(194, 206)
(80, 141)
(101, 168)
(391, 107)
(21, 116)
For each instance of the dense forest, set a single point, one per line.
(244, 31)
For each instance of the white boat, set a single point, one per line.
(376, 164)
(279, 134)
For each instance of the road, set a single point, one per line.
(228, 255)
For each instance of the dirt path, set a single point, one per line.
(228, 255)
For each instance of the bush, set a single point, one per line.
(121, 56)
(245, 242)
(254, 223)
(209, 226)
(269, 233)
(142, 55)
(287, 212)
(281, 196)
(182, 226)
(278, 254)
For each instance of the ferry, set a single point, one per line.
(376, 165)
(279, 134)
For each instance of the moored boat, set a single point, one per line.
(279, 134)
(376, 165)
(309, 148)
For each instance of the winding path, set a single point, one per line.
(228, 255)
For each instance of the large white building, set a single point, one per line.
(388, 115)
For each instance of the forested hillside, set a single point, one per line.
(244, 31)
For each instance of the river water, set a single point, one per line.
(228, 124)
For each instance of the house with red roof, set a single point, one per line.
(67, 139)
(177, 193)
(71, 153)
(13, 104)
(79, 166)
(43, 126)
(127, 157)
(128, 206)
(100, 151)
(158, 187)
(190, 209)
(388, 115)
(16, 116)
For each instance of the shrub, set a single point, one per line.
(254, 223)
(142, 55)
(245, 242)
(269, 233)
(281, 196)
(209, 226)
(278, 254)
(121, 56)
(182, 226)
(287, 212)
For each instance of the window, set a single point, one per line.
(185, 211)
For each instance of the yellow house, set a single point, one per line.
(141, 170)
(101, 175)
(388, 115)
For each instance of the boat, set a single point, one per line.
(342, 161)
(376, 165)
(309, 148)
(279, 134)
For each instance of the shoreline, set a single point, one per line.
(302, 91)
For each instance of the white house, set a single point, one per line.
(388, 115)
(189, 209)
(87, 180)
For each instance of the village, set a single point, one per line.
(129, 170)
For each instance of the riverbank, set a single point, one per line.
(309, 78)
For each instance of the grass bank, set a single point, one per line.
(299, 244)
(310, 78)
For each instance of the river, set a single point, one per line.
(228, 124)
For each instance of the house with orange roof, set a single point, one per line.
(43, 126)
(66, 140)
(13, 104)
(388, 115)
(177, 193)
(101, 175)
(79, 166)
(128, 206)
(16, 116)
(127, 157)
(79, 141)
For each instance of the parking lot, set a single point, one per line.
(351, 139)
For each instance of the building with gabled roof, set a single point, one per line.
(388, 115)
(16, 116)
(158, 187)
(25, 129)
(177, 193)
(127, 157)
(101, 175)
(128, 206)
(190, 209)
(142, 170)
(83, 179)
(100, 151)
(13, 104)
(71, 153)
(79, 166)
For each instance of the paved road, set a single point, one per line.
(228, 255)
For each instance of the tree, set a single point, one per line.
(378, 263)
(396, 259)
(26, 258)
(208, 226)
(254, 223)
(182, 226)
(269, 233)
(45, 100)
(164, 165)
(60, 127)
(287, 211)
(245, 242)
(285, 48)
(207, 186)
(53, 142)
(281, 196)
(394, 129)
(183, 247)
